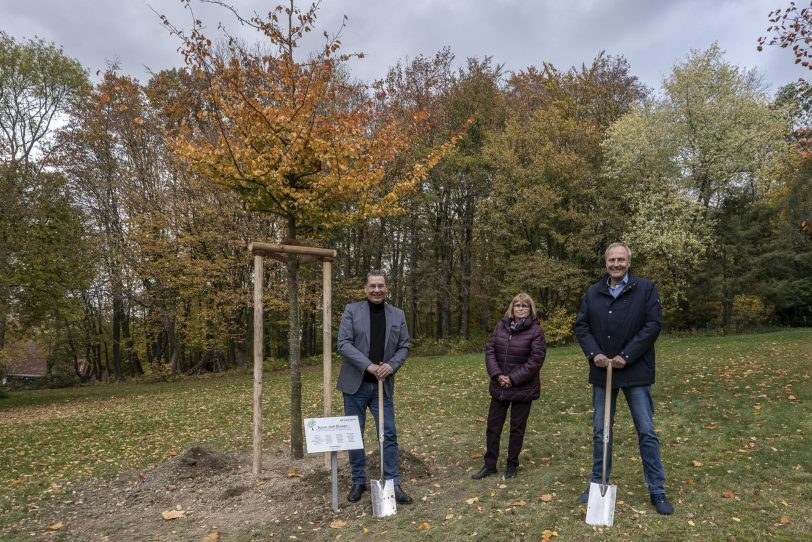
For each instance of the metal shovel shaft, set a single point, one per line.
(383, 490)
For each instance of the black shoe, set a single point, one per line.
(400, 496)
(660, 502)
(356, 492)
(583, 497)
(511, 472)
(484, 473)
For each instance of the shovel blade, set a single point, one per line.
(383, 498)
(600, 509)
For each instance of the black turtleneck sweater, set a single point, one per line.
(377, 336)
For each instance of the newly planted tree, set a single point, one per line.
(294, 138)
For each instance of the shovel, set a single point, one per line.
(600, 509)
(383, 491)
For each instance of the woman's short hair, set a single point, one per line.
(522, 298)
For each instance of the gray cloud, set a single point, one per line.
(652, 35)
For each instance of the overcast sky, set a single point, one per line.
(651, 34)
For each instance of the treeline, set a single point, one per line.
(121, 259)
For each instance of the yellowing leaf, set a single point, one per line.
(449, 516)
(337, 524)
(211, 537)
(293, 473)
(545, 536)
(518, 503)
(696, 463)
(425, 526)
(785, 520)
(172, 514)
(55, 527)
(472, 500)
(691, 523)
(171, 453)
(546, 498)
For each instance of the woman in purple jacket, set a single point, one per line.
(513, 358)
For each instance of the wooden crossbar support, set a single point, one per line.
(282, 253)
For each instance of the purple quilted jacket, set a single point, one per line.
(519, 355)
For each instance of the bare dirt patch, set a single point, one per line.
(219, 498)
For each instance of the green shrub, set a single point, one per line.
(558, 326)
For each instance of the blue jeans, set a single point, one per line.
(641, 407)
(356, 405)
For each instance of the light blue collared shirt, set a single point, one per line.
(620, 285)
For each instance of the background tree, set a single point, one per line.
(37, 84)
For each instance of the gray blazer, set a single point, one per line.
(353, 345)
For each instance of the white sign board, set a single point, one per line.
(333, 434)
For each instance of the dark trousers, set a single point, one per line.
(519, 412)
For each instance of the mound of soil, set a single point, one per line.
(216, 493)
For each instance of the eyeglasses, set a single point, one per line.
(520, 306)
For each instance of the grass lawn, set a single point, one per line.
(733, 415)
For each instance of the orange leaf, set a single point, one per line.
(172, 453)
(545, 536)
(696, 463)
(293, 473)
(518, 503)
(728, 494)
(785, 520)
(712, 425)
(546, 498)
(475, 455)
(212, 537)
(337, 524)
(172, 514)
(425, 526)
(58, 525)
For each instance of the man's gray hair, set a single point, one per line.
(615, 245)
(375, 273)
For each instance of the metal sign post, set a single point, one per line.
(332, 435)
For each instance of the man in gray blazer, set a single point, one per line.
(373, 342)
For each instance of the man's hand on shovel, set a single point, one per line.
(384, 370)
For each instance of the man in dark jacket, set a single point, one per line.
(618, 322)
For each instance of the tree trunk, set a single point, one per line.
(296, 436)
(118, 313)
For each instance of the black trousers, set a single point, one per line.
(519, 412)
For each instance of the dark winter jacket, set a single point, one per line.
(628, 326)
(519, 355)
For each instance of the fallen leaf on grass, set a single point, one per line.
(293, 473)
(449, 516)
(691, 523)
(172, 514)
(501, 486)
(712, 425)
(58, 525)
(785, 520)
(728, 494)
(545, 536)
(791, 397)
(425, 526)
(518, 503)
(472, 500)
(696, 463)
(737, 520)
(211, 537)
(545, 498)
(171, 453)
(337, 524)
(475, 455)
